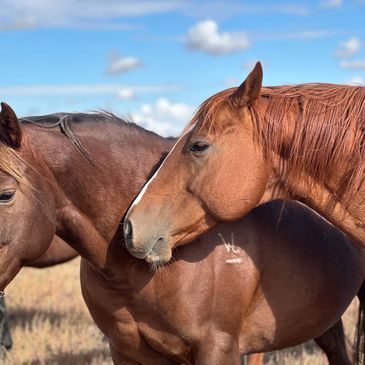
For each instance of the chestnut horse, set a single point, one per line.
(48, 187)
(310, 138)
(270, 280)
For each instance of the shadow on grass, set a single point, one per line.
(25, 318)
(82, 358)
(277, 357)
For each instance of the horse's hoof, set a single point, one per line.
(7, 342)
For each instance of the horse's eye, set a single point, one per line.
(199, 147)
(7, 196)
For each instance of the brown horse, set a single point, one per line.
(310, 138)
(57, 253)
(47, 186)
(274, 279)
(18, 154)
(77, 194)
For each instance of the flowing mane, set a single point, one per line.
(315, 128)
(64, 122)
(10, 161)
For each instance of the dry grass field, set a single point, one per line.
(51, 325)
(49, 321)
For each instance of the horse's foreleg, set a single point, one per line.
(145, 356)
(360, 329)
(119, 359)
(217, 350)
(5, 336)
(256, 359)
(333, 345)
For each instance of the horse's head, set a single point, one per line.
(27, 208)
(215, 172)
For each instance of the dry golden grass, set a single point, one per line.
(49, 321)
(51, 325)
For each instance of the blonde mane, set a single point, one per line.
(10, 164)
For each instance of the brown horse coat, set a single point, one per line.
(147, 316)
(309, 137)
(274, 279)
(57, 253)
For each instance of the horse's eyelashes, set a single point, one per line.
(199, 146)
(7, 196)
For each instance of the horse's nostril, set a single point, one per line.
(128, 233)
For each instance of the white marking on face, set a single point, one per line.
(143, 191)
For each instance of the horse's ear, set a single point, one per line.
(250, 89)
(10, 128)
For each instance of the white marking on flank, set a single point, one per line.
(143, 191)
(231, 248)
(238, 260)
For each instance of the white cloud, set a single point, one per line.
(126, 94)
(356, 80)
(98, 89)
(118, 64)
(331, 3)
(96, 14)
(349, 47)
(353, 65)
(164, 117)
(23, 14)
(111, 14)
(205, 36)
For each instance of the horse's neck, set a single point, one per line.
(348, 218)
(92, 197)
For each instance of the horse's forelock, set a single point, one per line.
(206, 115)
(10, 163)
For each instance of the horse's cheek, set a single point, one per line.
(234, 191)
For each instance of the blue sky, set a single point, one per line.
(156, 61)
